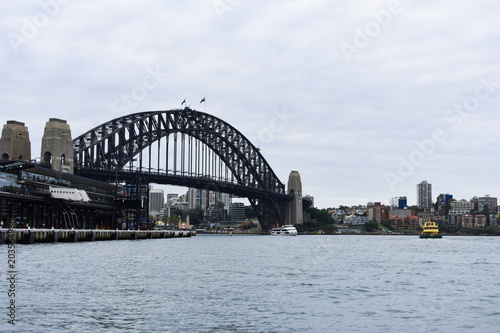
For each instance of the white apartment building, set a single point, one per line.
(424, 195)
(461, 207)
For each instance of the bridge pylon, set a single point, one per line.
(15, 142)
(293, 209)
(57, 146)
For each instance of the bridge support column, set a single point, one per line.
(293, 211)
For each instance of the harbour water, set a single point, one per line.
(218, 283)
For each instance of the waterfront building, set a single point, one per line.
(468, 221)
(480, 220)
(427, 213)
(454, 219)
(461, 207)
(378, 212)
(360, 210)
(356, 220)
(493, 219)
(402, 212)
(406, 222)
(489, 202)
(7, 180)
(424, 194)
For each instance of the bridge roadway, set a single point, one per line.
(154, 176)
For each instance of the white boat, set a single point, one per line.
(286, 230)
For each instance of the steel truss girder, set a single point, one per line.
(103, 151)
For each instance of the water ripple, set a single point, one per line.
(260, 284)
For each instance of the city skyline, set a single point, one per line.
(364, 99)
(386, 201)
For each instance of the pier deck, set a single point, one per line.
(31, 236)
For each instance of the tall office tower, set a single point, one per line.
(195, 198)
(15, 142)
(226, 199)
(424, 195)
(156, 200)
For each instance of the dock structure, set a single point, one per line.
(32, 236)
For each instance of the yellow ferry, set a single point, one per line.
(431, 230)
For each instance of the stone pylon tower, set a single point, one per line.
(57, 146)
(293, 213)
(15, 142)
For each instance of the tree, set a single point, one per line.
(321, 216)
(313, 212)
(370, 226)
(324, 217)
(196, 216)
(249, 213)
(174, 219)
(387, 224)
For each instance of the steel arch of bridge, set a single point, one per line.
(104, 151)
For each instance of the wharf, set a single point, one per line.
(31, 236)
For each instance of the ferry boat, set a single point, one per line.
(431, 230)
(286, 230)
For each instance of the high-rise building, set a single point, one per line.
(195, 198)
(156, 200)
(226, 199)
(399, 203)
(442, 202)
(424, 195)
(172, 198)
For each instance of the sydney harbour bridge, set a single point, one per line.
(187, 148)
(181, 147)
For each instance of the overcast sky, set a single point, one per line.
(364, 98)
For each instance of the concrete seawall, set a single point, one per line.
(31, 236)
